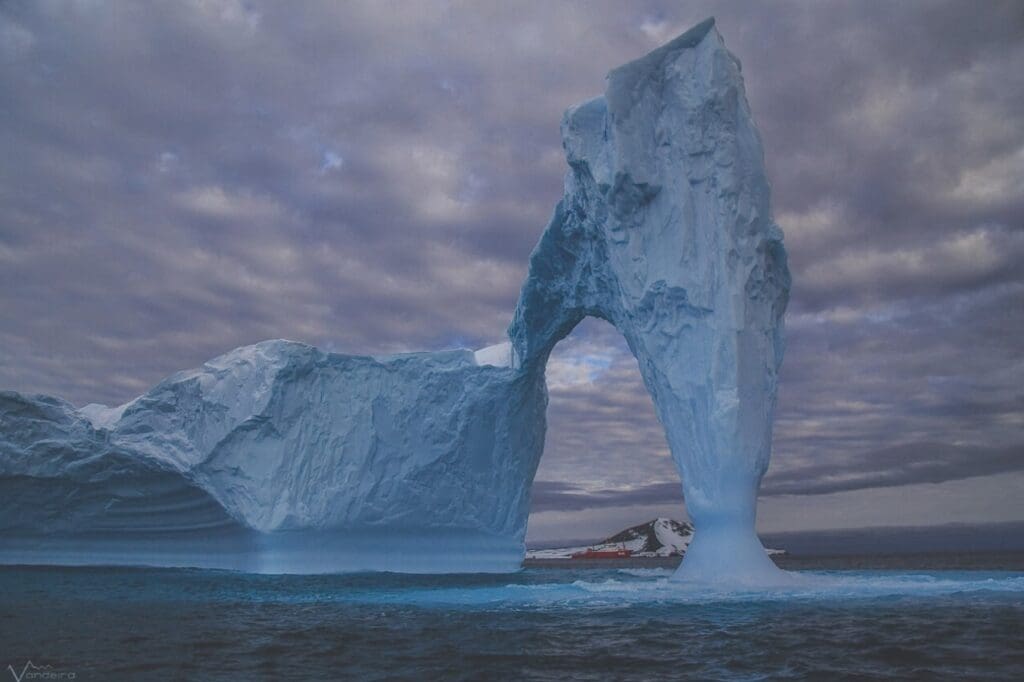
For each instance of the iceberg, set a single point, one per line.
(279, 457)
(665, 231)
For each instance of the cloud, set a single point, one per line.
(906, 464)
(332, 161)
(959, 261)
(898, 465)
(555, 496)
(183, 178)
(15, 40)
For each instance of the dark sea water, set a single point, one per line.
(540, 624)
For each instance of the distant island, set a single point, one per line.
(657, 538)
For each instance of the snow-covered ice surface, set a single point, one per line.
(279, 457)
(498, 355)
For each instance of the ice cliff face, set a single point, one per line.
(665, 230)
(293, 459)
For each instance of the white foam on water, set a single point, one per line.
(637, 587)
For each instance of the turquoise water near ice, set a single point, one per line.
(156, 624)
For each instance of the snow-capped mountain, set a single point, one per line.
(660, 537)
(656, 538)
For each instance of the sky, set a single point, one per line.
(179, 179)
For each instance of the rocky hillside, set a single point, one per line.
(656, 538)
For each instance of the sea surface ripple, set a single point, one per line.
(542, 624)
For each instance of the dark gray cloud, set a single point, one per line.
(906, 464)
(182, 178)
(895, 466)
(552, 496)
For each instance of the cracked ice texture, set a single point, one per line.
(665, 230)
(280, 457)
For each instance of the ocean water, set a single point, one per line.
(105, 623)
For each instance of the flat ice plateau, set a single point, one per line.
(279, 457)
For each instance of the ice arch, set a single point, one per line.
(665, 231)
(280, 457)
